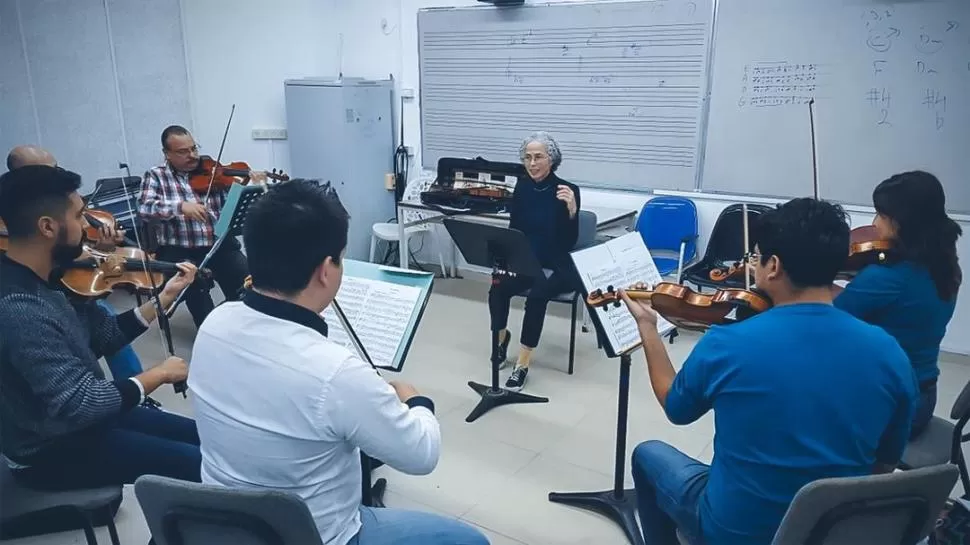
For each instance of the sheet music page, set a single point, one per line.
(620, 263)
(379, 312)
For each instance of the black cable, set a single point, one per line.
(402, 162)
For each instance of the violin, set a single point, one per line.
(97, 219)
(687, 308)
(488, 191)
(97, 275)
(866, 248)
(211, 174)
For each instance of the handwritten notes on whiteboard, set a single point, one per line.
(778, 84)
(380, 314)
(621, 263)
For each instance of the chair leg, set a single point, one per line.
(585, 319)
(373, 248)
(112, 530)
(572, 336)
(88, 527)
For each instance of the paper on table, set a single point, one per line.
(379, 312)
(620, 263)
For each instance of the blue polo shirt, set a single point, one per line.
(902, 299)
(800, 393)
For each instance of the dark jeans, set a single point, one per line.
(541, 290)
(229, 269)
(140, 442)
(669, 487)
(924, 408)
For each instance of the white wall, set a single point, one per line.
(240, 51)
(360, 38)
(380, 37)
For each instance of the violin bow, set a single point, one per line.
(811, 122)
(222, 147)
(354, 339)
(747, 250)
(164, 329)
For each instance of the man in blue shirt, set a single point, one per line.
(801, 392)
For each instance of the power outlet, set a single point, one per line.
(410, 150)
(407, 93)
(269, 134)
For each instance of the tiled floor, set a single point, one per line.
(497, 472)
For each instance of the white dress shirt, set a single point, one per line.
(279, 406)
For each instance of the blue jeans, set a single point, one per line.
(139, 442)
(125, 363)
(400, 527)
(669, 487)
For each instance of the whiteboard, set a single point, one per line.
(891, 83)
(620, 85)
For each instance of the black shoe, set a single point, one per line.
(517, 379)
(503, 351)
(150, 403)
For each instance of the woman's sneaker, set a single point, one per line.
(517, 379)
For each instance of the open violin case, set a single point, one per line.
(473, 185)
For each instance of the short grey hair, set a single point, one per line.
(552, 148)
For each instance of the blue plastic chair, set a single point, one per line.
(668, 226)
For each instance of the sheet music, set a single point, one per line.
(620, 263)
(380, 312)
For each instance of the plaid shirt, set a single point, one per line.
(163, 190)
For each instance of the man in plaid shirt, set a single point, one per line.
(186, 221)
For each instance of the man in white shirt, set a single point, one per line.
(280, 406)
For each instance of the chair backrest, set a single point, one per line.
(898, 508)
(183, 513)
(412, 193)
(665, 222)
(727, 237)
(587, 229)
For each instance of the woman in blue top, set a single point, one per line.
(545, 208)
(912, 298)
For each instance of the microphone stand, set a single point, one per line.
(160, 315)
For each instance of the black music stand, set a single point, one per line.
(372, 493)
(239, 200)
(618, 504)
(508, 253)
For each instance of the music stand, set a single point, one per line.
(618, 504)
(508, 253)
(238, 201)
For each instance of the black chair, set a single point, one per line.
(184, 513)
(28, 512)
(898, 508)
(942, 441)
(725, 247)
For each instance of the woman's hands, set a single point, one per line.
(565, 194)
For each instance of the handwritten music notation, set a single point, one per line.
(765, 84)
(379, 312)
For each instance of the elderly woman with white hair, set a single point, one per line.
(545, 208)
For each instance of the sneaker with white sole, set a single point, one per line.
(517, 379)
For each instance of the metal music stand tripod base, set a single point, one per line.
(493, 396)
(618, 504)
